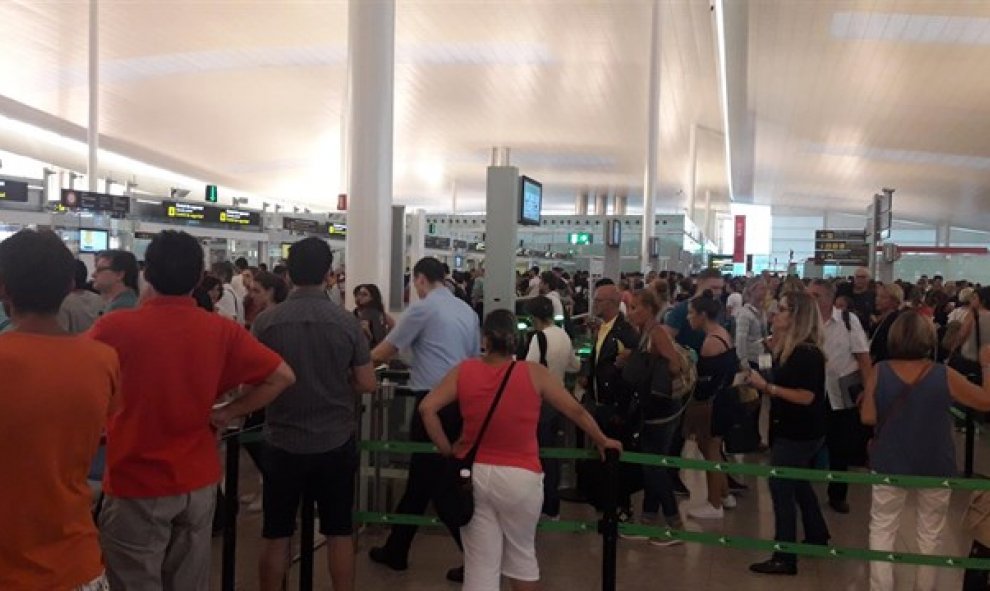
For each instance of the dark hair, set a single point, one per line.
(262, 267)
(430, 268)
(706, 305)
(273, 282)
(604, 281)
(36, 271)
(540, 308)
(500, 329)
(550, 279)
(912, 336)
(124, 262)
(202, 292)
(82, 275)
(710, 274)
(173, 263)
(310, 260)
(377, 302)
(280, 270)
(241, 263)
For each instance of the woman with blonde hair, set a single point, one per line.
(908, 400)
(797, 423)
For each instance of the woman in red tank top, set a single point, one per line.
(507, 478)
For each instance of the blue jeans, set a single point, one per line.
(789, 495)
(658, 490)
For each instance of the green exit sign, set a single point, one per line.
(211, 193)
(579, 238)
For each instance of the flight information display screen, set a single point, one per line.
(530, 202)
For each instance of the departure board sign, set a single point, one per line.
(436, 242)
(337, 231)
(224, 216)
(13, 192)
(303, 225)
(179, 210)
(237, 217)
(115, 205)
(841, 247)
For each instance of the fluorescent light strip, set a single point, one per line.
(910, 28)
(723, 89)
(905, 156)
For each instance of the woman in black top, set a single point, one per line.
(797, 424)
(370, 311)
(709, 416)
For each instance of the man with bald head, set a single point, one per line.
(609, 395)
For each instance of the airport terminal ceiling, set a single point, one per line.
(827, 100)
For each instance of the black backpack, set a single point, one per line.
(541, 340)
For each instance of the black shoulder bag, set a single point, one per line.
(456, 506)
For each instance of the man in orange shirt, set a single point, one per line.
(162, 460)
(57, 392)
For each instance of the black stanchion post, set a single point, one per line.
(230, 507)
(306, 543)
(608, 527)
(970, 442)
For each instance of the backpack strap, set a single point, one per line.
(541, 341)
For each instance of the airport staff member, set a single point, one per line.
(441, 331)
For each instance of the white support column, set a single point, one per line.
(581, 203)
(370, 102)
(601, 201)
(693, 173)
(943, 234)
(93, 131)
(652, 142)
(417, 243)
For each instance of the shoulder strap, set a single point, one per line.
(488, 418)
(541, 341)
(902, 396)
(727, 345)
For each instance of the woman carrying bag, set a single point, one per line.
(908, 400)
(499, 400)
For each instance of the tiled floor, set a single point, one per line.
(573, 561)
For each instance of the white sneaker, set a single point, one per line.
(729, 502)
(706, 511)
(640, 537)
(249, 498)
(255, 506)
(665, 542)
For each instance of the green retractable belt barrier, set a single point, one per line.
(715, 539)
(757, 470)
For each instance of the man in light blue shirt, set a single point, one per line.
(440, 331)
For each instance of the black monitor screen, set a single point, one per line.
(614, 237)
(93, 240)
(530, 202)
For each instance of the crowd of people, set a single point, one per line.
(156, 359)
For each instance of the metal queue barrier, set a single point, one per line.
(384, 415)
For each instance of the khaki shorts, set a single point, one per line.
(698, 420)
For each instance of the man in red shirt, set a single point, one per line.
(162, 463)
